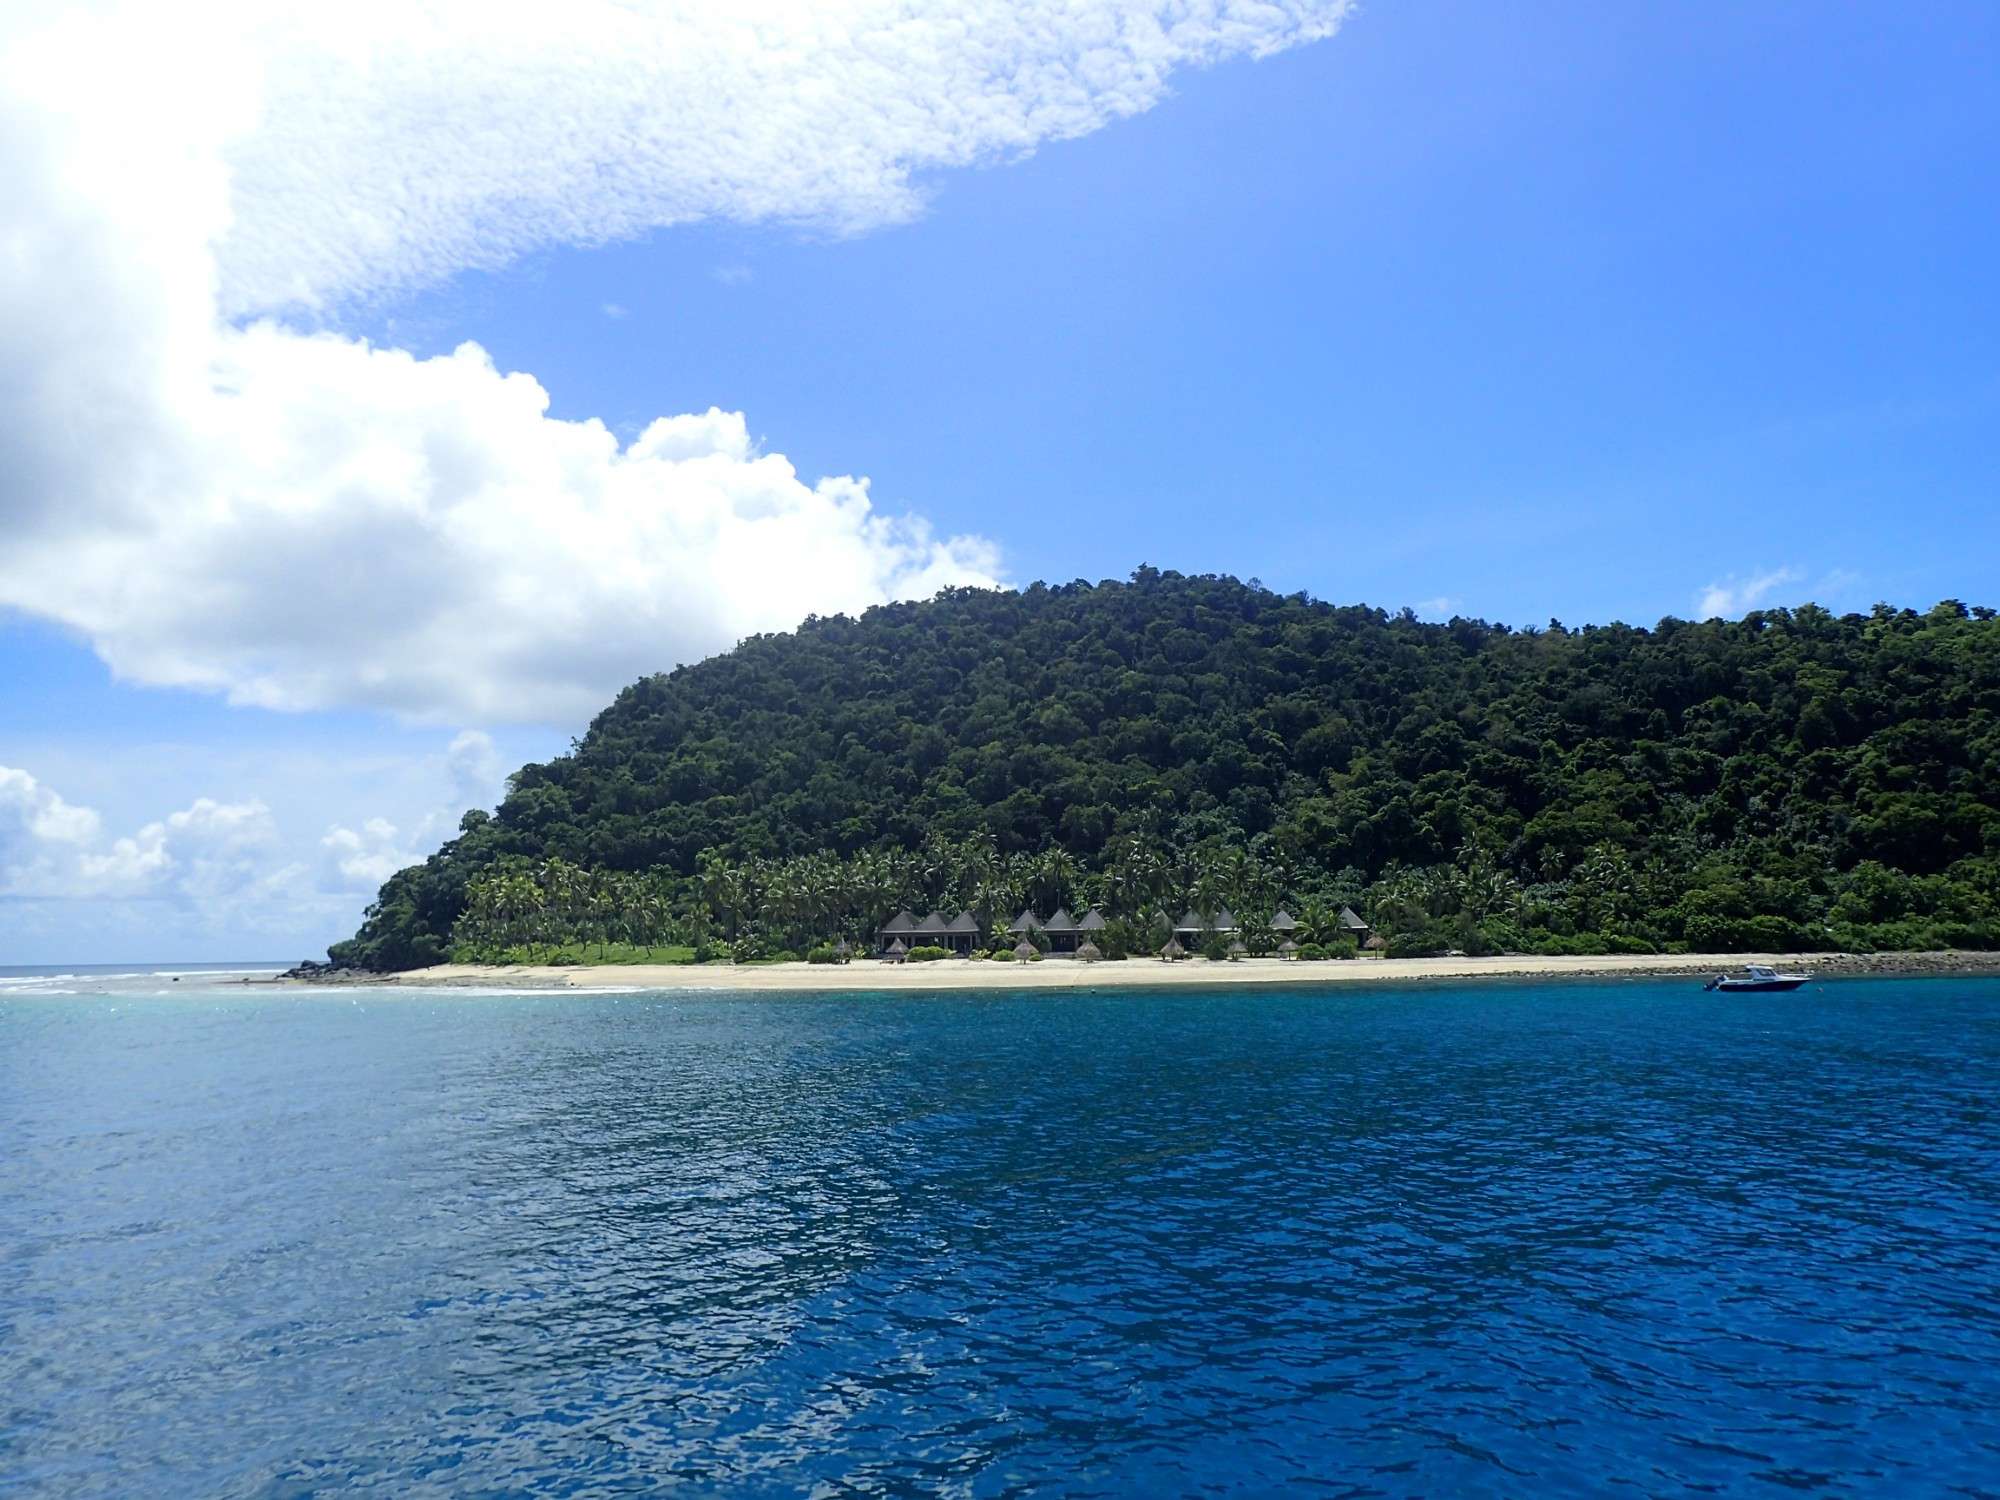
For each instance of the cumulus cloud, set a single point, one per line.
(219, 496)
(42, 837)
(211, 855)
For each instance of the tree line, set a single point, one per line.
(762, 908)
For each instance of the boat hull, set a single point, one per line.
(1756, 986)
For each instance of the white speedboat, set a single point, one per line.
(1755, 977)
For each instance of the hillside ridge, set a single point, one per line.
(1792, 779)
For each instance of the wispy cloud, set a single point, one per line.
(1736, 595)
(360, 859)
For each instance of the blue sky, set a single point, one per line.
(1553, 310)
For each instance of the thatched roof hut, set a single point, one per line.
(1089, 952)
(1024, 949)
(1288, 949)
(1173, 950)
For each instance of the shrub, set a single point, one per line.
(826, 953)
(1311, 951)
(1343, 946)
(927, 955)
(1579, 945)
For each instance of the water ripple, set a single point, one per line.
(1487, 1241)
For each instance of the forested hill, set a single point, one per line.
(1795, 779)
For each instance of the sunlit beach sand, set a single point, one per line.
(874, 975)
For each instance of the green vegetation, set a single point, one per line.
(1792, 781)
(575, 953)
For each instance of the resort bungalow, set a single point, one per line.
(1064, 934)
(962, 935)
(1193, 929)
(901, 928)
(958, 934)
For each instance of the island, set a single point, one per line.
(1259, 781)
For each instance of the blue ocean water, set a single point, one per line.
(1497, 1240)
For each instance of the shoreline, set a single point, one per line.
(948, 975)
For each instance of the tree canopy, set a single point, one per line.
(1795, 779)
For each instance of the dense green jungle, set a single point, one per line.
(1792, 781)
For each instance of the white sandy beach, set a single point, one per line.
(1057, 974)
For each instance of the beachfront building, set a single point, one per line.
(957, 934)
(900, 929)
(962, 935)
(1065, 936)
(1194, 929)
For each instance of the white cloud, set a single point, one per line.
(221, 500)
(360, 859)
(212, 855)
(476, 771)
(1734, 596)
(42, 837)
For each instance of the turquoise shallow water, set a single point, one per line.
(1506, 1240)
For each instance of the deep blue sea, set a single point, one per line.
(1521, 1240)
